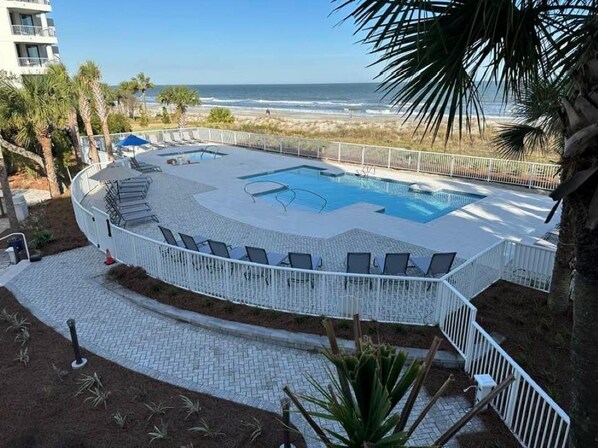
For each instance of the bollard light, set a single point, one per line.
(79, 361)
(286, 422)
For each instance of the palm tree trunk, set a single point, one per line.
(182, 119)
(584, 345)
(22, 152)
(45, 140)
(7, 194)
(85, 111)
(100, 103)
(560, 287)
(73, 130)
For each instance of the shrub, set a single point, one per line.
(40, 238)
(143, 120)
(119, 123)
(220, 115)
(165, 116)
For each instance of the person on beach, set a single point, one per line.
(268, 113)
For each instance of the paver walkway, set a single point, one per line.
(65, 286)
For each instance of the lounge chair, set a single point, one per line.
(176, 136)
(222, 250)
(153, 139)
(306, 262)
(126, 195)
(125, 202)
(187, 138)
(358, 263)
(195, 243)
(127, 207)
(127, 217)
(197, 137)
(437, 264)
(143, 166)
(392, 264)
(168, 141)
(259, 255)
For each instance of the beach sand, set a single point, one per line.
(383, 130)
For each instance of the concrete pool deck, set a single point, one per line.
(511, 213)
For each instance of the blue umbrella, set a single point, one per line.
(132, 140)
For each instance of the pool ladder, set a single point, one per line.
(283, 188)
(366, 171)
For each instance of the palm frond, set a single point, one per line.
(434, 53)
(517, 140)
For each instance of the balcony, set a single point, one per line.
(33, 31)
(36, 62)
(30, 5)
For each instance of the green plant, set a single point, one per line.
(139, 392)
(366, 387)
(165, 116)
(98, 396)
(220, 115)
(118, 123)
(22, 336)
(87, 382)
(256, 429)
(206, 430)
(48, 391)
(5, 316)
(17, 323)
(30, 173)
(143, 120)
(156, 408)
(40, 238)
(120, 419)
(60, 373)
(159, 433)
(191, 407)
(23, 356)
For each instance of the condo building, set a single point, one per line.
(28, 40)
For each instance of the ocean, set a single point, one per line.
(328, 99)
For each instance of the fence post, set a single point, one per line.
(452, 166)
(209, 135)
(264, 143)
(469, 341)
(489, 169)
(221, 136)
(419, 159)
(512, 400)
(235, 137)
(531, 173)
(362, 155)
(339, 151)
(389, 156)
(280, 146)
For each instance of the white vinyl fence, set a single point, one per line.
(533, 417)
(526, 174)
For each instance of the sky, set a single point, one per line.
(212, 41)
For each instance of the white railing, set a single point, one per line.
(30, 30)
(33, 62)
(41, 2)
(526, 174)
(534, 418)
(526, 409)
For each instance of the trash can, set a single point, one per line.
(21, 208)
(16, 243)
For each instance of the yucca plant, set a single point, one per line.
(364, 394)
(191, 407)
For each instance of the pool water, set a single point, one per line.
(347, 189)
(193, 156)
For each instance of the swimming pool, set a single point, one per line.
(193, 156)
(394, 198)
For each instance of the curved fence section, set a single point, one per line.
(525, 174)
(534, 418)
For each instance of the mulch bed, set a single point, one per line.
(40, 410)
(136, 279)
(538, 340)
(55, 215)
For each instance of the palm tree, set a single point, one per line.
(182, 97)
(36, 108)
(165, 96)
(539, 128)
(11, 213)
(60, 74)
(125, 95)
(90, 74)
(143, 84)
(432, 53)
(85, 111)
